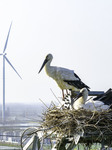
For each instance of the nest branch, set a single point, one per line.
(67, 123)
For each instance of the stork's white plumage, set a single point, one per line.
(91, 105)
(81, 99)
(65, 78)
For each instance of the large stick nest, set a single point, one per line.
(69, 123)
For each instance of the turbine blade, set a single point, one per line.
(12, 66)
(7, 38)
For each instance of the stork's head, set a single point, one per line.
(48, 58)
(83, 93)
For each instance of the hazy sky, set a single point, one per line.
(77, 32)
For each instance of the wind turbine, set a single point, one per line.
(6, 59)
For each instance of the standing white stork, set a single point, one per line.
(81, 102)
(65, 78)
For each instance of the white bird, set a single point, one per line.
(80, 99)
(81, 102)
(65, 78)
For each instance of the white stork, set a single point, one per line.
(65, 78)
(81, 102)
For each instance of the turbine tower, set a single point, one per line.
(6, 59)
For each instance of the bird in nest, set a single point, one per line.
(102, 102)
(65, 78)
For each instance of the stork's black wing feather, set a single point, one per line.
(106, 98)
(78, 84)
(77, 76)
